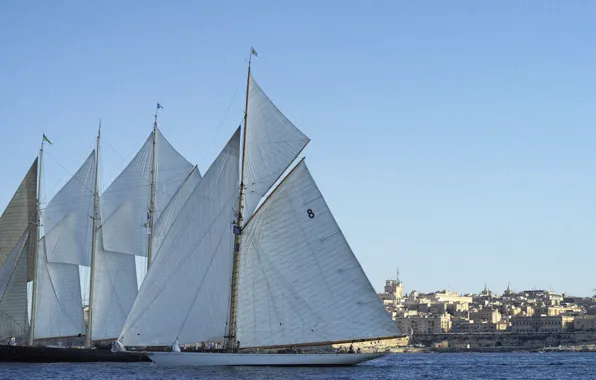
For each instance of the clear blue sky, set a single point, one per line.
(454, 139)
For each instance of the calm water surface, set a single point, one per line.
(396, 366)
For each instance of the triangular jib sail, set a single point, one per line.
(299, 280)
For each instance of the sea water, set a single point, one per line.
(524, 366)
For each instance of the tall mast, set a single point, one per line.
(231, 336)
(37, 238)
(93, 237)
(152, 196)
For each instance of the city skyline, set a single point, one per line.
(452, 140)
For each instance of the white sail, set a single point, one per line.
(186, 292)
(67, 219)
(125, 203)
(15, 219)
(59, 309)
(114, 291)
(124, 209)
(169, 215)
(272, 144)
(172, 170)
(299, 280)
(13, 291)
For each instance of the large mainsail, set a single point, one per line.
(272, 144)
(17, 216)
(186, 292)
(66, 245)
(124, 231)
(299, 280)
(13, 290)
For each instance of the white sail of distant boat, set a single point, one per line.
(290, 278)
(125, 229)
(66, 245)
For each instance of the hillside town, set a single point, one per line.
(526, 311)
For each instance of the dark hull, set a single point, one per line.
(28, 354)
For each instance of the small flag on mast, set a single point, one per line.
(159, 106)
(253, 51)
(46, 139)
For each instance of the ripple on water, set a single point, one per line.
(510, 366)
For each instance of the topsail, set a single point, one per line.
(272, 144)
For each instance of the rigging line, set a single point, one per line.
(121, 169)
(71, 175)
(222, 123)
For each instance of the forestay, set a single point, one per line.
(272, 144)
(13, 291)
(15, 219)
(186, 293)
(299, 280)
(67, 219)
(59, 310)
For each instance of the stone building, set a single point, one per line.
(541, 324)
(485, 315)
(424, 324)
(585, 323)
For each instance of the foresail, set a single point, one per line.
(114, 291)
(13, 291)
(67, 219)
(15, 219)
(59, 307)
(299, 280)
(125, 203)
(272, 144)
(186, 293)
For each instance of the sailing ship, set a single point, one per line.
(285, 278)
(74, 236)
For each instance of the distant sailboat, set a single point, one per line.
(287, 278)
(129, 227)
(69, 222)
